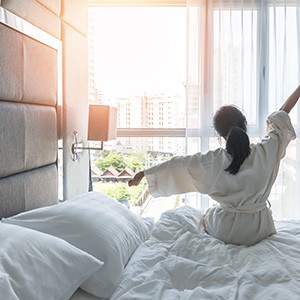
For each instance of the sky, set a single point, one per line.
(140, 50)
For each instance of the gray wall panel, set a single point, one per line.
(49, 16)
(40, 73)
(28, 123)
(28, 190)
(28, 137)
(28, 69)
(11, 64)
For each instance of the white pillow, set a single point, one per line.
(36, 266)
(96, 224)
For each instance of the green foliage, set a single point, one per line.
(119, 190)
(112, 159)
(118, 161)
(135, 161)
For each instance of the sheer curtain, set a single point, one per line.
(244, 52)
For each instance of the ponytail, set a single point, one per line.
(231, 124)
(238, 146)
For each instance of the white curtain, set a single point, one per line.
(244, 52)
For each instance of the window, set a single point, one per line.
(138, 58)
(247, 53)
(240, 52)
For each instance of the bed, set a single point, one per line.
(92, 247)
(133, 258)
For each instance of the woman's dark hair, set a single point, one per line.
(231, 124)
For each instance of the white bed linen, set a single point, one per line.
(96, 224)
(181, 261)
(83, 295)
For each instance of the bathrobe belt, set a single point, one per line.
(246, 208)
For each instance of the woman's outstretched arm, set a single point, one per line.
(291, 100)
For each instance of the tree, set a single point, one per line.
(135, 161)
(113, 159)
(117, 191)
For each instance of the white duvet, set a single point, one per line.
(181, 261)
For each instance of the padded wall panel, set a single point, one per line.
(75, 109)
(40, 73)
(28, 190)
(75, 13)
(28, 69)
(11, 64)
(28, 137)
(28, 122)
(35, 13)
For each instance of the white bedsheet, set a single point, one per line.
(83, 295)
(181, 261)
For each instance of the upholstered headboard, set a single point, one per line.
(29, 92)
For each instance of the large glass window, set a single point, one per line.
(234, 55)
(235, 52)
(138, 64)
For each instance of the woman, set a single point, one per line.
(239, 177)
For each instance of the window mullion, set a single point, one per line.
(263, 65)
(151, 132)
(206, 104)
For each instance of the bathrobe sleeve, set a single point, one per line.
(169, 178)
(184, 174)
(281, 128)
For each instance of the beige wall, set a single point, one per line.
(66, 20)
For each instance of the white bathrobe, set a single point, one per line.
(242, 216)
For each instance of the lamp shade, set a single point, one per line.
(102, 123)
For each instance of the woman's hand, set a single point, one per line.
(136, 179)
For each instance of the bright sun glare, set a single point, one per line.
(139, 50)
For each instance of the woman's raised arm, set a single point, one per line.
(291, 100)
